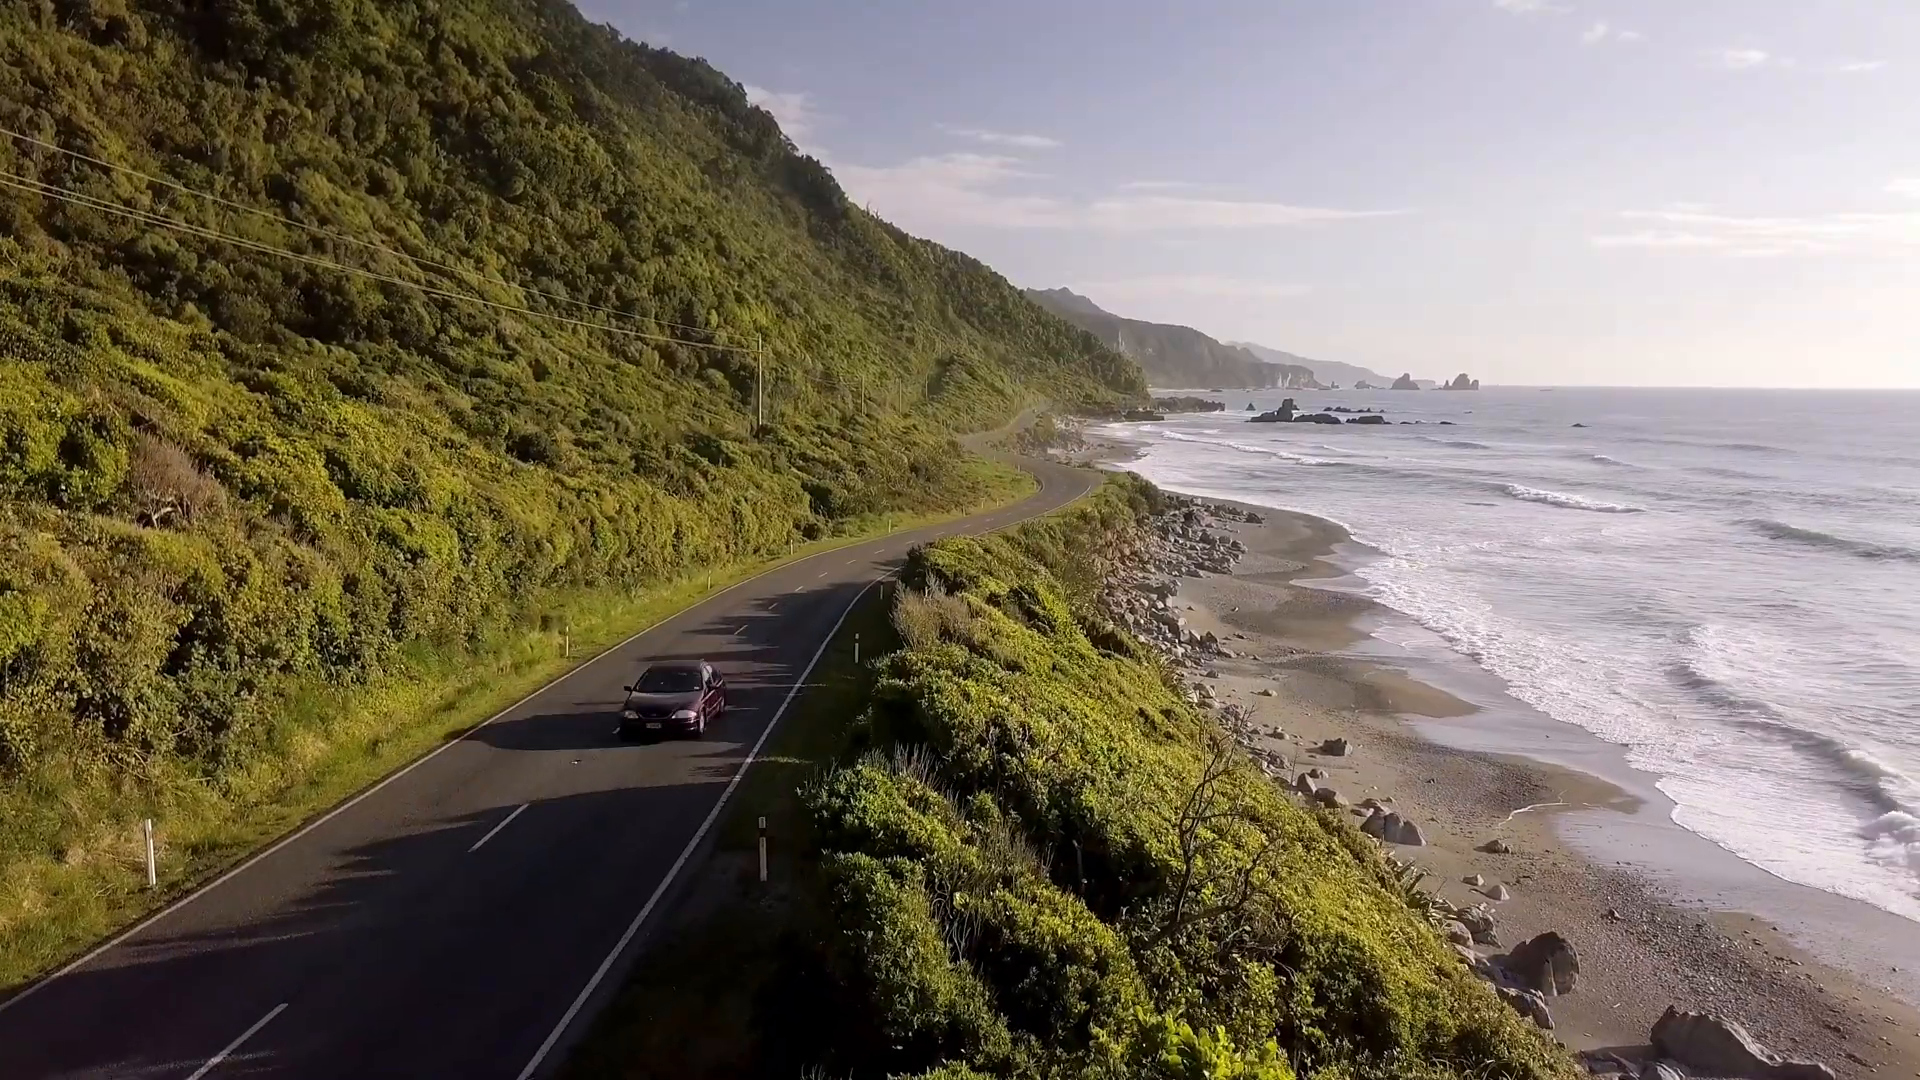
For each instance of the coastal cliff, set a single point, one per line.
(1174, 355)
(1052, 860)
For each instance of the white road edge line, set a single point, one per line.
(391, 777)
(490, 832)
(235, 1044)
(606, 965)
(686, 853)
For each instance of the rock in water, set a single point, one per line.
(1713, 1046)
(1546, 963)
(1336, 748)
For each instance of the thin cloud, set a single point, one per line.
(982, 190)
(1854, 233)
(1742, 59)
(950, 190)
(793, 110)
(1002, 138)
(1192, 285)
(1908, 186)
(1859, 67)
(1138, 213)
(1602, 31)
(1161, 185)
(1531, 7)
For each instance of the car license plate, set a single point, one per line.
(656, 725)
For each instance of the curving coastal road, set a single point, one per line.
(465, 917)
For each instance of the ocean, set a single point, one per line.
(1725, 583)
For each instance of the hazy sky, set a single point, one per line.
(1685, 192)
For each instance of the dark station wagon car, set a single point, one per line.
(679, 698)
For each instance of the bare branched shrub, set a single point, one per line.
(1220, 883)
(168, 487)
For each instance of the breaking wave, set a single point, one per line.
(1570, 502)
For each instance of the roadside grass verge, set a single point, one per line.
(56, 900)
(732, 984)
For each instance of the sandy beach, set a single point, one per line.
(1300, 669)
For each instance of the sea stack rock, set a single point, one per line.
(1405, 382)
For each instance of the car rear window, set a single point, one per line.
(669, 680)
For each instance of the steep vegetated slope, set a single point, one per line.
(1172, 355)
(475, 316)
(1047, 864)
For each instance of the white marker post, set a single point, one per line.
(763, 850)
(153, 870)
(856, 647)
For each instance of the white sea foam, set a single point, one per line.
(1765, 669)
(1570, 502)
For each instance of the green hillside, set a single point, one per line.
(373, 323)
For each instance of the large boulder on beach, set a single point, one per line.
(1376, 824)
(1336, 748)
(1711, 1045)
(1546, 963)
(1528, 1004)
(1410, 834)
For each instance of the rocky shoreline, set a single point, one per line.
(1201, 546)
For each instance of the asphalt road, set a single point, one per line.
(451, 921)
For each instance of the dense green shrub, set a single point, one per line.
(233, 474)
(1083, 878)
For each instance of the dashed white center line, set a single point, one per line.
(491, 832)
(821, 574)
(235, 1044)
(742, 630)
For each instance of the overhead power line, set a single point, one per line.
(829, 380)
(30, 185)
(345, 238)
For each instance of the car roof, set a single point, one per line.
(678, 665)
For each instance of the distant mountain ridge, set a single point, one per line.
(1175, 356)
(1327, 371)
